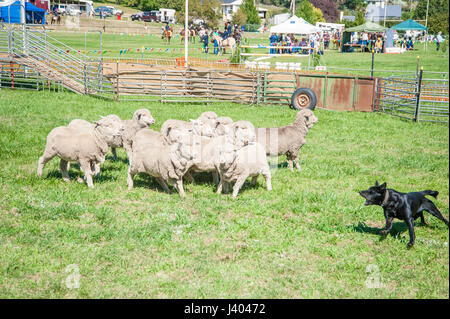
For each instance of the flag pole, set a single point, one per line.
(186, 34)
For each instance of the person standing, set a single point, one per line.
(439, 40)
(273, 42)
(205, 41)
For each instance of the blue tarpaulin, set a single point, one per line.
(33, 14)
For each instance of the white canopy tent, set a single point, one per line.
(295, 25)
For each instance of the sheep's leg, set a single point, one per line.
(290, 165)
(219, 187)
(254, 179)
(188, 177)
(226, 187)
(163, 184)
(179, 187)
(297, 165)
(95, 168)
(63, 167)
(42, 161)
(268, 178)
(86, 168)
(130, 177)
(113, 151)
(128, 150)
(237, 186)
(215, 176)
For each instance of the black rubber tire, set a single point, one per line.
(308, 96)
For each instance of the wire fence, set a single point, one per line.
(414, 98)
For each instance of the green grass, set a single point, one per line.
(311, 237)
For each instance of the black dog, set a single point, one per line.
(407, 207)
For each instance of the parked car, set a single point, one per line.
(149, 17)
(73, 10)
(107, 12)
(137, 16)
(60, 9)
(157, 14)
(115, 11)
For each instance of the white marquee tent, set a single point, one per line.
(295, 25)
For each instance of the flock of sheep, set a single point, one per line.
(231, 151)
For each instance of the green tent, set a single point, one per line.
(409, 25)
(367, 27)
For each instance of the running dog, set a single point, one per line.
(404, 206)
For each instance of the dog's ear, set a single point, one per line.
(376, 183)
(383, 186)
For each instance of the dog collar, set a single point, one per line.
(386, 198)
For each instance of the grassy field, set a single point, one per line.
(311, 237)
(113, 43)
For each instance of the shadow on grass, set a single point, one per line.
(397, 229)
(148, 182)
(117, 160)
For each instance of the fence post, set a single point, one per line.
(417, 66)
(12, 75)
(418, 91)
(117, 81)
(373, 56)
(85, 80)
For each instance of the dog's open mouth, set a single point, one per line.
(368, 202)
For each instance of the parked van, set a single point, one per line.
(167, 15)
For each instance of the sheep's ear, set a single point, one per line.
(376, 183)
(383, 186)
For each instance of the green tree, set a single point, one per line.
(201, 9)
(359, 18)
(437, 15)
(248, 7)
(318, 15)
(355, 4)
(239, 18)
(308, 12)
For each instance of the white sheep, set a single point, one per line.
(141, 119)
(223, 125)
(204, 125)
(167, 158)
(83, 125)
(248, 158)
(287, 139)
(87, 147)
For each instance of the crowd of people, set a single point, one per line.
(369, 41)
(376, 41)
(313, 43)
(207, 35)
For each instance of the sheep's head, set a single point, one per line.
(244, 133)
(306, 116)
(209, 118)
(143, 118)
(201, 128)
(110, 129)
(223, 125)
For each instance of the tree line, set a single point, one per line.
(311, 10)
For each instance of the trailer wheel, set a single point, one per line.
(304, 98)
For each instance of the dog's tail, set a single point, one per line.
(431, 193)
